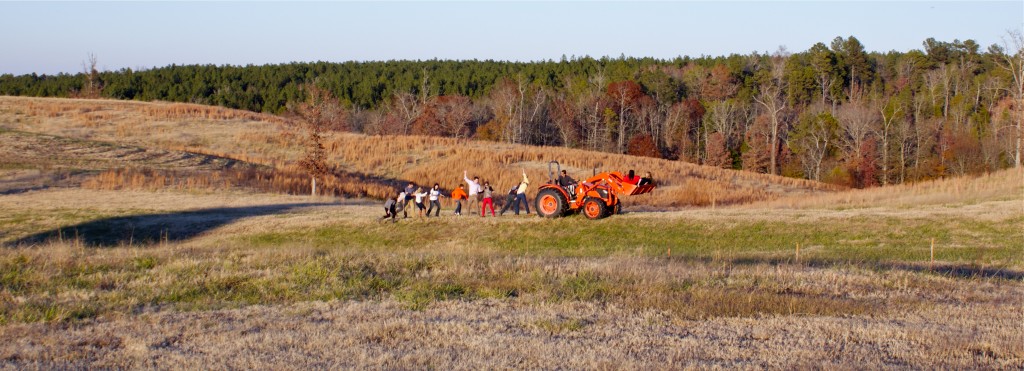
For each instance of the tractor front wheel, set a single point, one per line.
(550, 203)
(595, 208)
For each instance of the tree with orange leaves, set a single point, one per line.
(315, 117)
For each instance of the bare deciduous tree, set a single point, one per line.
(857, 122)
(406, 108)
(93, 87)
(772, 98)
(625, 96)
(1012, 60)
(519, 108)
(890, 110)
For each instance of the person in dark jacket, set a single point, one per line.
(390, 205)
(647, 179)
(567, 182)
(510, 198)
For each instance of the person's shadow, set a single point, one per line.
(152, 228)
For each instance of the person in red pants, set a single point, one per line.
(488, 201)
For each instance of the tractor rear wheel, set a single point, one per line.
(551, 203)
(595, 208)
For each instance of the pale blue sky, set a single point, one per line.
(51, 37)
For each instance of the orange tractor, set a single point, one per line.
(597, 197)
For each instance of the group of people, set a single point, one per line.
(478, 193)
(481, 194)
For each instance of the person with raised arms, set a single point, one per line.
(521, 194)
(475, 191)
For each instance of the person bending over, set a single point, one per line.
(510, 198)
(389, 209)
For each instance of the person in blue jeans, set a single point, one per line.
(434, 196)
(521, 194)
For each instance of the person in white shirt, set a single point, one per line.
(419, 195)
(475, 191)
(399, 205)
(435, 195)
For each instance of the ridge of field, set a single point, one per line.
(263, 139)
(30, 161)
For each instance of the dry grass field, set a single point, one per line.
(121, 273)
(364, 163)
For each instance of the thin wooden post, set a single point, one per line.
(669, 252)
(798, 253)
(931, 265)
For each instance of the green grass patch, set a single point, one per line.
(535, 259)
(418, 295)
(860, 239)
(561, 325)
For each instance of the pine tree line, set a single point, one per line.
(835, 113)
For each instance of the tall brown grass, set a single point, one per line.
(87, 110)
(427, 160)
(1007, 184)
(193, 111)
(289, 180)
(423, 160)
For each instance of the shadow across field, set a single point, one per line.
(961, 270)
(952, 270)
(153, 228)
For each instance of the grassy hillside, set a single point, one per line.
(263, 139)
(124, 258)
